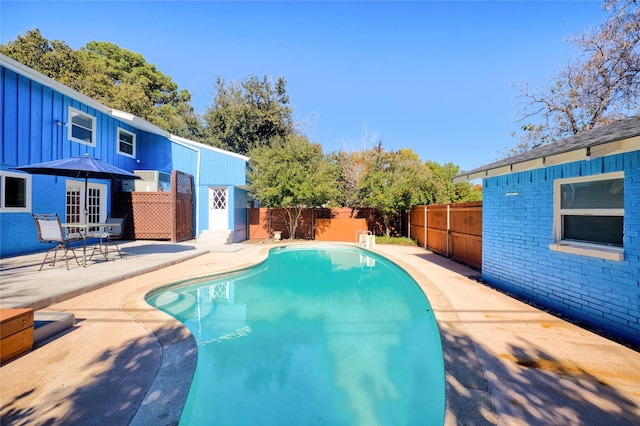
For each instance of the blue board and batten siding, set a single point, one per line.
(518, 230)
(219, 169)
(33, 130)
(34, 115)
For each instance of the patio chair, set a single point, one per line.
(109, 235)
(50, 231)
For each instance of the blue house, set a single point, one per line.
(44, 120)
(561, 226)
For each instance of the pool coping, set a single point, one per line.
(179, 351)
(456, 345)
(540, 368)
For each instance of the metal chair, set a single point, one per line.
(109, 235)
(50, 231)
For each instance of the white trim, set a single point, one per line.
(133, 142)
(617, 147)
(566, 157)
(28, 192)
(182, 140)
(34, 75)
(463, 178)
(573, 247)
(601, 252)
(135, 121)
(73, 112)
(499, 171)
(536, 163)
(469, 177)
(629, 144)
(123, 115)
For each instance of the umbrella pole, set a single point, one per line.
(86, 205)
(86, 221)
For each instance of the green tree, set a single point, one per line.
(393, 182)
(291, 173)
(180, 118)
(114, 76)
(442, 190)
(134, 85)
(250, 114)
(53, 58)
(600, 86)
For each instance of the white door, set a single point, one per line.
(218, 209)
(96, 197)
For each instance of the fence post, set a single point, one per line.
(425, 226)
(448, 229)
(174, 206)
(408, 224)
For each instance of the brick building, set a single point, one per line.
(561, 226)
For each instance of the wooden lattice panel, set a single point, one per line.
(159, 215)
(152, 212)
(184, 183)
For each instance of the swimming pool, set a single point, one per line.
(331, 335)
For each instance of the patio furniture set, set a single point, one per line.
(51, 230)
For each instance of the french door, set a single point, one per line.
(96, 205)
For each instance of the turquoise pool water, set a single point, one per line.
(315, 335)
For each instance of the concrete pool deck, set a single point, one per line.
(124, 362)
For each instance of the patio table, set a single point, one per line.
(83, 230)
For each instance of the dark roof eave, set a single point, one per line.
(580, 145)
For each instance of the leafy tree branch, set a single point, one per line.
(598, 87)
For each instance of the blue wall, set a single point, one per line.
(217, 169)
(33, 118)
(155, 152)
(30, 134)
(517, 232)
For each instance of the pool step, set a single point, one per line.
(47, 324)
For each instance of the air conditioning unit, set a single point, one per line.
(128, 185)
(151, 181)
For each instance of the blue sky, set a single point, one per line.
(437, 77)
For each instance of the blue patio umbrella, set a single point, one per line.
(79, 167)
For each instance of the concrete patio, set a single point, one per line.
(124, 362)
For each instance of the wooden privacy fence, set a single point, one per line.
(159, 215)
(453, 230)
(321, 224)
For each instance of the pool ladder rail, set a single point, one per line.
(365, 239)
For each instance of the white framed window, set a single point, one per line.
(589, 215)
(126, 143)
(15, 192)
(81, 127)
